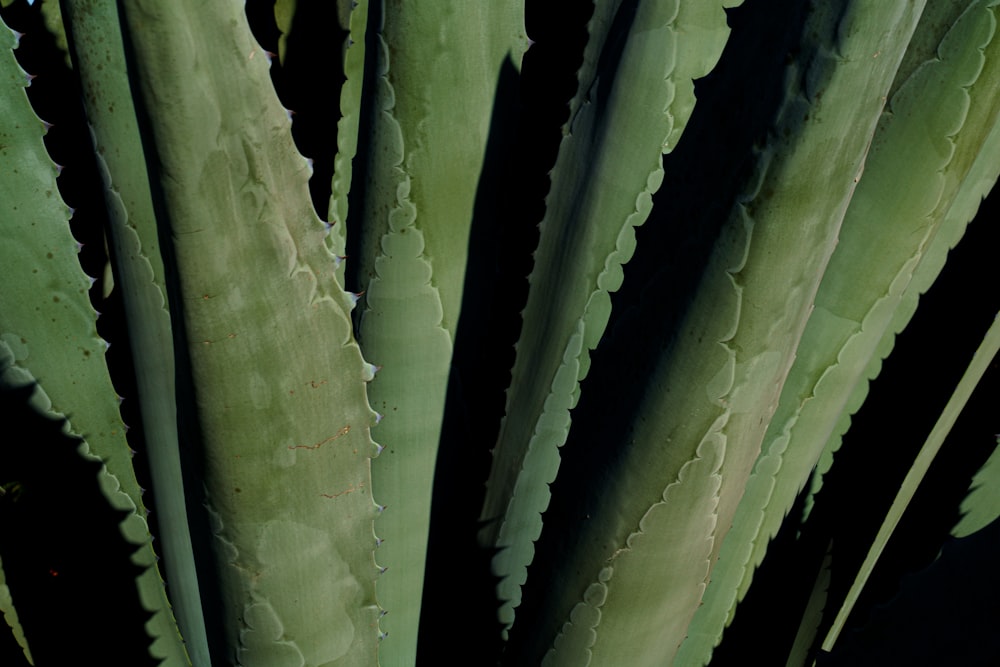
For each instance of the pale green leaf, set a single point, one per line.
(909, 181)
(719, 379)
(982, 359)
(982, 506)
(278, 383)
(10, 614)
(353, 17)
(434, 99)
(635, 95)
(100, 63)
(50, 327)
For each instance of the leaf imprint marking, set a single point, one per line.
(343, 431)
(349, 489)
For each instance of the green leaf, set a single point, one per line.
(977, 368)
(629, 607)
(635, 95)
(353, 18)
(10, 612)
(284, 13)
(982, 506)
(100, 62)
(278, 383)
(52, 14)
(812, 615)
(49, 325)
(434, 94)
(920, 156)
(980, 179)
(718, 381)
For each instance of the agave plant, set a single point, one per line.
(548, 351)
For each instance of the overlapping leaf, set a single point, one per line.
(438, 68)
(635, 96)
(100, 61)
(909, 183)
(48, 324)
(278, 383)
(718, 381)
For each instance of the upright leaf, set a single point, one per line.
(277, 383)
(920, 156)
(716, 385)
(982, 359)
(634, 98)
(99, 57)
(50, 327)
(438, 70)
(353, 17)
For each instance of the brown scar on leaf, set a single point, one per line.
(341, 432)
(317, 385)
(349, 489)
(230, 336)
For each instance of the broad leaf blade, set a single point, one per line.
(278, 384)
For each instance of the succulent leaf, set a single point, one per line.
(983, 136)
(705, 313)
(48, 325)
(354, 19)
(100, 60)
(635, 95)
(284, 430)
(982, 359)
(982, 506)
(433, 102)
(10, 614)
(901, 195)
(720, 379)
